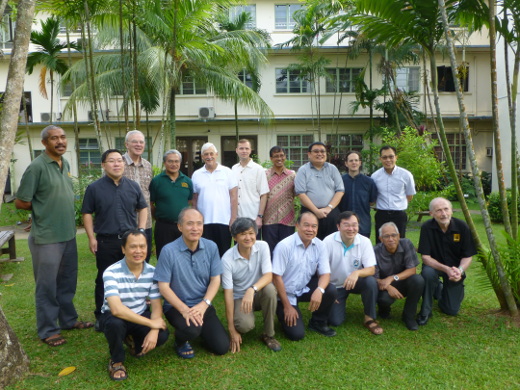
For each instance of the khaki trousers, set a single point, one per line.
(265, 300)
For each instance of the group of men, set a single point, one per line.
(320, 257)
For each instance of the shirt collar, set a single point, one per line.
(129, 160)
(238, 256)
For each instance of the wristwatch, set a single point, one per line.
(461, 270)
(260, 215)
(208, 302)
(396, 278)
(322, 290)
(254, 288)
(331, 206)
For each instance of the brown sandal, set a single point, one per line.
(373, 327)
(113, 368)
(81, 325)
(54, 341)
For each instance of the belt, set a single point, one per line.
(109, 236)
(166, 221)
(391, 211)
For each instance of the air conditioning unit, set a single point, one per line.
(45, 116)
(206, 113)
(489, 151)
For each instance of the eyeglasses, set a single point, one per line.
(111, 161)
(319, 151)
(391, 157)
(387, 236)
(136, 142)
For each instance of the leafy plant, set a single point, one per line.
(88, 175)
(493, 204)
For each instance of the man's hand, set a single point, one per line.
(394, 293)
(290, 315)
(315, 301)
(150, 341)
(454, 274)
(93, 245)
(323, 212)
(350, 281)
(258, 221)
(193, 316)
(236, 340)
(247, 301)
(382, 284)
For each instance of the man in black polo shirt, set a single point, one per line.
(117, 203)
(447, 248)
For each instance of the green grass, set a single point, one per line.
(476, 350)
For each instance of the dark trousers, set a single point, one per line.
(273, 234)
(116, 329)
(452, 292)
(396, 216)
(367, 287)
(212, 332)
(108, 252)
(320, 316)
(412, 288)
(326, 225)
(148, 233)
(219, 234)
(165, 232)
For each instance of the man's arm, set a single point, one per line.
(236, 338)
(317, 295)
(261, 210)
(233, 196)
(336, 199)
(88, 224)
(142, 215)
(180, 306)
(152, 209)
(409, 198)
(307, 203)
(452, 272)
(194, 200)
(290, 313)
(121, 311)
(351, 280)
(249, 296)
(200, 308)
(150, 341)
(22, 205)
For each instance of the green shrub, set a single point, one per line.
(421, 202)
(494, 208)
(88, 175)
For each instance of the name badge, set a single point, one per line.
(456, 237)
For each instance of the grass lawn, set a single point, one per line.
(476, 350)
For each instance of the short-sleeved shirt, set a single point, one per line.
(239, 273)
(188, 273)
(51, 193)
(279, 208)
(360, 191)
(389, 264)
(142, 174)
(319, 185)
(393, 188)
(345, 260)
(169, 196)
(213, 188)
(252, 183)
(115, 206)
(447, 248)
(119, 281)
(297, 264)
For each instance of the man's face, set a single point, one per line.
(114, 166)
(353, 163)
(210, 158)
(247, 239)
(348, 228)
(278, 159)
(442, 212)
(172, 164)
(317, 155)
(390, 238)
(307, 228)
(135, 144)
(388, 159)
(244, 150)
(191, 226)
(135, 249)
(56, 143)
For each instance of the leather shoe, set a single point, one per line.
(385, 312)
(423, 320)
(411, 324)
(322, 329)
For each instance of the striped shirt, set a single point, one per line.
(142, 174)
(120, 281)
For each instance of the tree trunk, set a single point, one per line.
(14, 362)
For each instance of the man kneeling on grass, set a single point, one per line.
(246, 280)
(125, 317)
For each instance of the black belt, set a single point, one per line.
(391, 211)
(109, 236)
(166, 221)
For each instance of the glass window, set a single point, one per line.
(342, 79)
(239, 9)
(445, 79)
(89, 155)
(340, 144)
(457, 145)
(408, 79)
(289, 81)
(296, 147)
(284, 16)
(246, 78)
(7, 27)
(190, 86)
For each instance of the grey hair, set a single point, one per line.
(45, 132)
(206, 146)
(131, 133)
(435, 200)
(385, 225)
(184, 211)
(242, 225)
(172, 151)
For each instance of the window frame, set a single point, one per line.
(296, 153)
(294, 74)
(249, 8)
(411, 79)
(449, 85)
(289, 22)
(458, 149)
(90, 149)
(195, 86)
(334, 80)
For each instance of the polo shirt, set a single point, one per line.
(279, 208)
(119, 281)
(343, 261)
(297, 264)
(252, 183)
(213, 189)
(319, 185)
(142, 174)
(51, 193)
(447, 248)
(169, 196)
(188, 273)
(393, 188)
(389, 264)
(240, 273)
(360, 191)
(115, 206)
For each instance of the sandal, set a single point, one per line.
(185, 350)
(113, 368)
(129, 342)
(54, 341)
(81, 325)
(373, 327)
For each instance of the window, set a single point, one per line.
(284, 16)
(289, 81)
(249, 9)
(7, 27)
(67, 89)
(246, 78)
(89, 155)
(191, 87)
(342, 79)
(120, 145)
(340, 144)
(296, 147)
(445, 79)
(408, 79)
(457, 145)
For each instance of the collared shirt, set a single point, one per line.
(252, 183)
(188, 273)
(142, 174)
(447, 248)
(115, 206)
(50, 191)
(280, 200)
(169, 196)
(320, 185)
(297, 264)
(343, 261)
(240, 273)
(119, 281)
(213, 188)
(393, 188)
(389, 264)
(360, 191)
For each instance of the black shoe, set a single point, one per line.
(385, 312)
(322, 329)
(423, 320)
(411, 324)
(97, 327)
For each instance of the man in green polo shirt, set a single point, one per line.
(170, 192)
(46, 190)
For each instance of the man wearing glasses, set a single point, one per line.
(320, 188)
